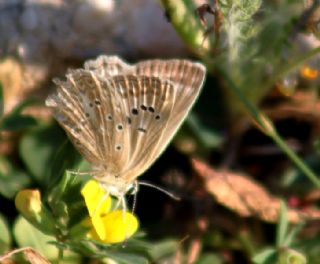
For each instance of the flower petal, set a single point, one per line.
(28, 201)
(93, 194)
(29, 204)
(118, 226)
(97, 231)
(309, 72)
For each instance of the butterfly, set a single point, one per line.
(121, 117)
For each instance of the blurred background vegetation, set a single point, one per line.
(245, 162)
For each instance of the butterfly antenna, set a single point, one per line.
(79, 172)
(160, 189)
(134, 203)
(135, 191)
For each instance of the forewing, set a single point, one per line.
(91, 114)
(147, 104)
(67, 109)
(187, 78)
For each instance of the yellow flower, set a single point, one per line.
(309, 72)
(28, 201)
(93, 194)
(108, 227)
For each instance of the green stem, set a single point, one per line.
(268, 128)
(247, 244)
(182, 17)
(60, 255)
(295, 158)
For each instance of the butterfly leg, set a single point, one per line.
(119, 200)
(124, 208)
(100, 203)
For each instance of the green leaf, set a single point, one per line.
(38, 150)
(135, 251)
(291, 256)
(5, 238)
(127, 258)
(27, 235)
(17, 122)
(206, 137)
(84, 247)
(267, 256)
(163, 249)
(24, 104)
(209, 258)
(316, 145)
(293, 233)
(11, 179)
(282, 227)
(67, 158)
(67, 204)
(61, 190)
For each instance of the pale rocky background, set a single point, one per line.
(40, 39)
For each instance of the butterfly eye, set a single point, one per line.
(120, 127)
(151, 109)
(134, 111)
(157, 117)
(143, 107)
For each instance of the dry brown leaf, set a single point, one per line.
(31, 255)
(34, 257)
(245, 196)
(21, 81)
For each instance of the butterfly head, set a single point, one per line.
(114, 184)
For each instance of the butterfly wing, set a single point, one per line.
(68, 110)
(106, 119)
(88, 109)
(186, 79)
(121, 117)
(147, 104)
(107, 66)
